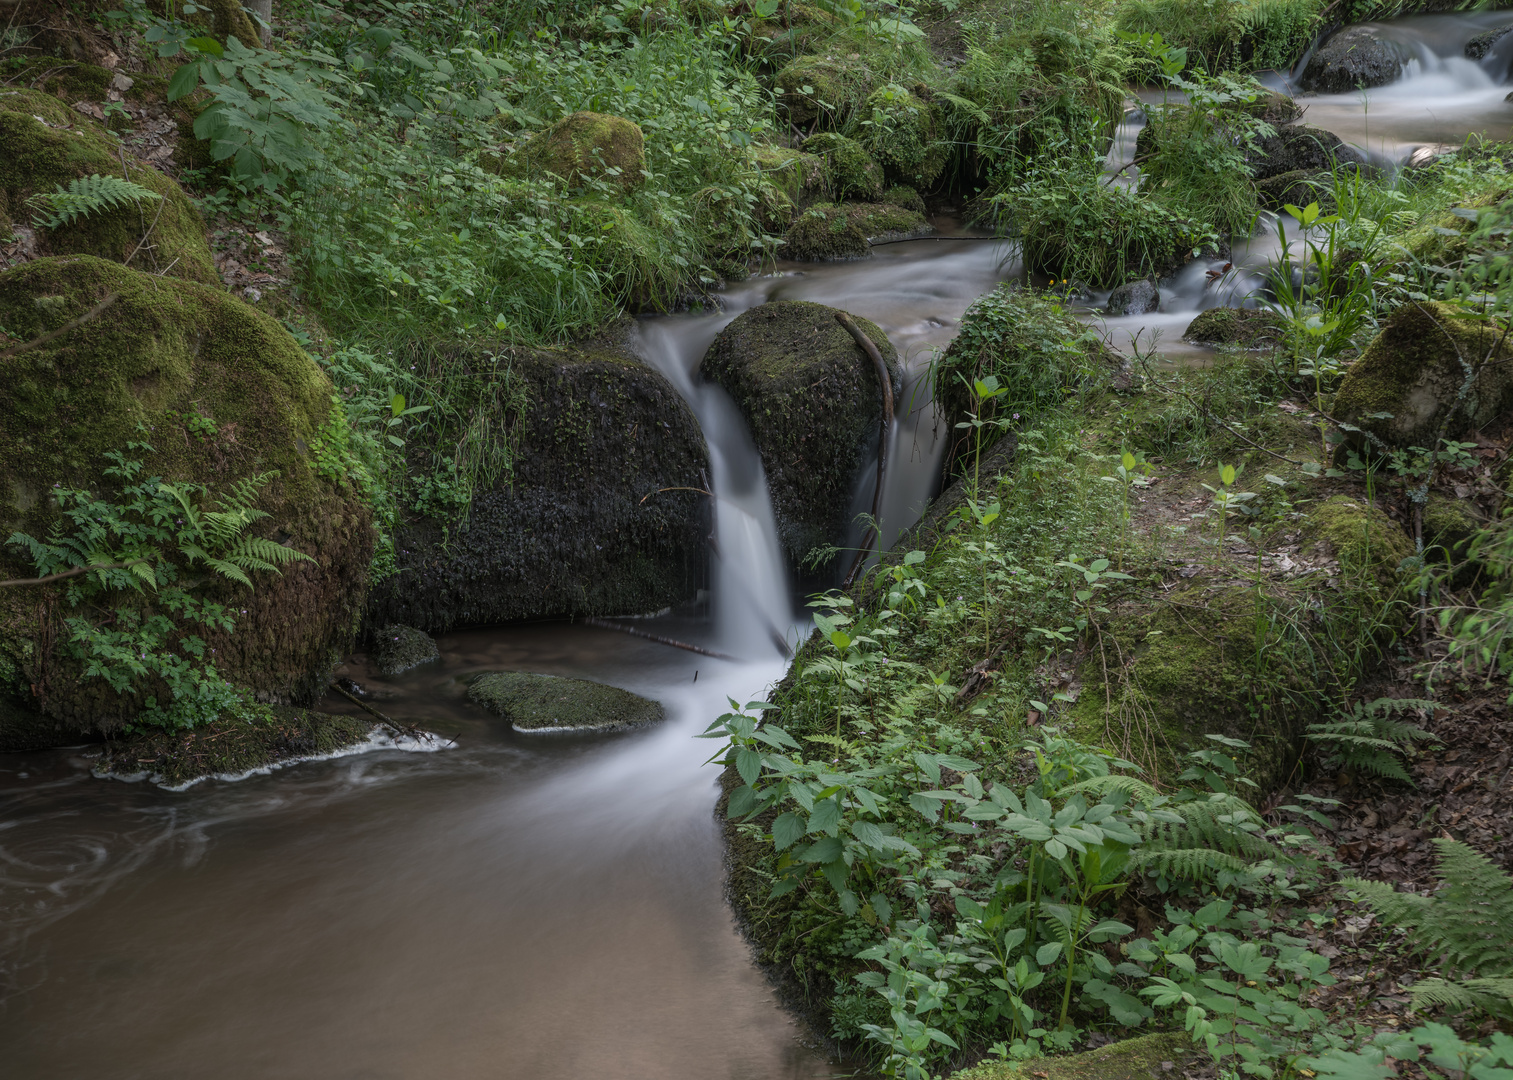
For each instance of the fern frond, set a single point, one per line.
(85, 196)
(1194, 865)
(1490, 995)
(261, 553)
(1137, 790)
(1399, 909)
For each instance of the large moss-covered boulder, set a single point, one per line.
(556, 703)
(582, 146)
(1300, 148)
(582, 524)
(45, 144)
(819, 91)
(1416, 371)
(1352, 58)
(221, 392)
(850, 172)
(1246, 328)
(1147, 1057)
(906, 136)
(830, 232)
(811, 399)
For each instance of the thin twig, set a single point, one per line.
(604, 624)
(161, 203)
(64, 574)
(72, 324)
(659, 491)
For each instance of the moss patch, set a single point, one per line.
(817, 90)
(850, 172)
(831, 232)
(1149, 1057)
(583, 525)
(165, 350)
(397, 649)
(582, 146)
(811, 400)
(905, 136)
(44, 144)
(267, 736)
(547, 702)
(1414, 370)
(1243, 327)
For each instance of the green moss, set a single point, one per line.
(600, 515)
(397, 649)
(791, 181)
(905, 197)
(905, 136)
(1148, 1057)
(828, 231)
(1245, 327)
(1298, 187)
(850, 172)
(811, 400)
(581, 146)
(267, 735)
(44, 144)
(1362, 537)
(1414, 370)
(822, 90)
(548, 702)
(161, 350)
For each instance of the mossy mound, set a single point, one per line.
(1352, 58)
(581, 146)
(905, 136)
(1299, 147)
(1148, 1057)
(791, 181)
(817, 90)
(44, 144)
(554, 702)
(1247, 328)
(830, 232)
(811, 399)
(905, 197)
(397, 649)
(1297, 187)
(1414, 370)
(850, 172)
(1364, 539)
(583, 525)
(221, 392)
(231, 746)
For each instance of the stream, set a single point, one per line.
(548, 906)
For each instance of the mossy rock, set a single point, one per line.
(1413, 370)
(164, 351)
(850, 171)
(1449, 526)
(1300, 147)
(905, 136)
(811, 399)
(45, 144)
(1246, 328)
(582, 146)
(1362, 537)
(554, 703)
(1147, 1057)
(904, 197)
(397, 649)
(830, 232)
(1298, 187)
(231, 746)
(1352, 58)
(791, 181)
(582, 525)
(819, 90)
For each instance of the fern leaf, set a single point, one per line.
(1194, 865)
(1137, 790)
(90, 194)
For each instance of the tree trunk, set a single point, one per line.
(262, 11)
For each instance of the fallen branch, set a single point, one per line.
(659, 491)
(72, 324)
(604, 624)
(61, 575)
(388, 722)
(885, 381)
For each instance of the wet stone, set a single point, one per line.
(397, 649)
(1135, 298)
(532, 702)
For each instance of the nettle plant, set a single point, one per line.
(130, 583)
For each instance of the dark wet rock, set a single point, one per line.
(1298, 187)
(811, 399)
(226, 393)
(582, 524)
(553, 702)
(1479, 46)
(1357, 56)
(1302, 148)
(397, 649)
(1413, 371)
(1135, 298)
(832, 232)
(1250, 328)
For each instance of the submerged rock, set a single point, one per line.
(46, 146)
(1357, 56)
(397, 649)
(585, 145)
(553, 702)
(583, 523)
(222, 392)
(1135, 298)
(1479, 46)
(811, 399)
(1250, 328)
(830, 232)
(1414, 370)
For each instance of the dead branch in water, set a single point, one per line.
(393, 725)
(605, 624)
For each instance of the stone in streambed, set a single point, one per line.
(1135, 298)
(397, 649)
(1357, 56)
(828, 232)
(580, 147)
(554, 702)
(1479, 46)
(1249, 328)
(1301, 147)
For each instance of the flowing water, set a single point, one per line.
(520, 906)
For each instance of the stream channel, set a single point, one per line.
(516, 906)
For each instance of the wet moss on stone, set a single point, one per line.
(812, 403)
(1148, 1057)
(1247, 328)
(548, 702)
(850, 172)
(830, 232)
(905, 197)
(44, 144)
(584, 524)
(815, 90)
(397, 649)
(905, 136)
(582, 146)
(791, 181)
(164, 350)
(1415, 370)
